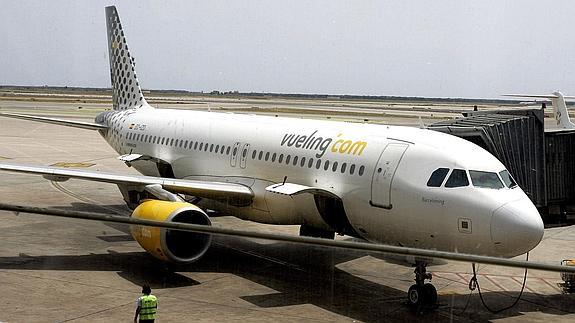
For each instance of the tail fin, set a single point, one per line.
(559, 107)
(126, 91)
(560, 111)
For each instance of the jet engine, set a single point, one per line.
(171, 245)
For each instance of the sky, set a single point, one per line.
(466, 49)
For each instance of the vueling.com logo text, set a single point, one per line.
(320, 144)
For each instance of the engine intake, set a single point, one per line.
(171, 245)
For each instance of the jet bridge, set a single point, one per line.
(542, 163)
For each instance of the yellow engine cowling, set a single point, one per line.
(171, 245)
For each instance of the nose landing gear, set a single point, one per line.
(422, 293)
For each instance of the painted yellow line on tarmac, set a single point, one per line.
(73, 165)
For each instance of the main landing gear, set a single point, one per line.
(422, 293)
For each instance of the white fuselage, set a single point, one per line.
(380, 173)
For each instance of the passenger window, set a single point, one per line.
(437, 177)
(228, 150)
(261, 154)
(302, 163)
(326, 165)
(485, 179)
(458, 178)
(196, 146)
(318, 164)
(310, 163)
(343, 166)
(288, 158)
(351, 169)
(172, 142)
(267, 156)
(273, 157)
(334, 166)
(206, 147)
(177, 142)
(361, 170)
(507, 179)
(217, 148)
(253, 154)
(295, 160)
(281, 159)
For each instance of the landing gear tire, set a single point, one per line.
(422, 293)
(430, 294)
(415, 296)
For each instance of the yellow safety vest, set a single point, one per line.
(148, 306)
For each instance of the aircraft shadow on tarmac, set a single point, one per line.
(300, 275)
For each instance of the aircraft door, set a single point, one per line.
(234, 155)
(383, 174)
(244, 156)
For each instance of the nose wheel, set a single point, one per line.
(422, 293)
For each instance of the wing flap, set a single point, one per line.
(237, 193)
(292, 189)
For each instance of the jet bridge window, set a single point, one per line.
(458, 178)
(507, 179)
(485, 179)
(437, 177)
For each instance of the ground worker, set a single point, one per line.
(147, 306)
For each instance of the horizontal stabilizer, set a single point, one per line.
(61, 122)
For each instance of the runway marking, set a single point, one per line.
(491, 280)
(520, 282)
(73, 164)
(81, 198)
(270, 259)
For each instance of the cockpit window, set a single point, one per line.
(485, 179)
(458, 178)
(437, 177)
(507, 179)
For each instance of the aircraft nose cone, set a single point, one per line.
(516, 228)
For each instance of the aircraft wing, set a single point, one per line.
(61, 122)
(354, 245)
(238, 193)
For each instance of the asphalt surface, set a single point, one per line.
(54, 269)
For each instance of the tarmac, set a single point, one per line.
(65, 270)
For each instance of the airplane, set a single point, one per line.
(383, 184)
(560, 112)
